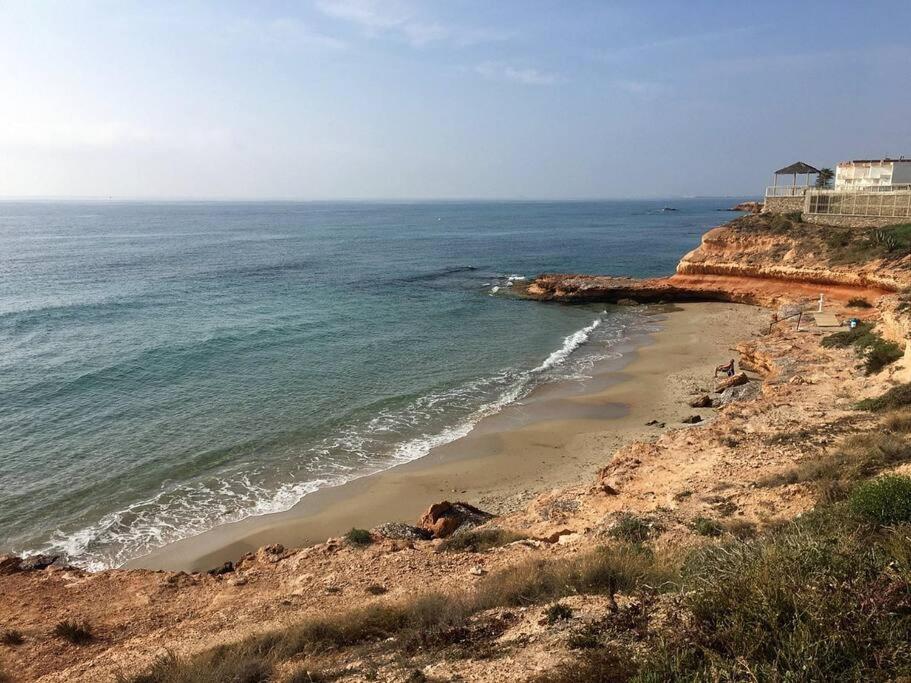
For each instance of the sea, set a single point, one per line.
(168, 367)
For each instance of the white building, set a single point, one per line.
(863, 174)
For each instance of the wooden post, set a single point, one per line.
(799, 318)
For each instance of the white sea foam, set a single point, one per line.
(186, 509)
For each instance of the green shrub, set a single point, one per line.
(77, 633)
(707, 527)
(632, 529)
(879, 353)
(858, 302)
(479, 540)
(359, 537)
(894, 398)
(558, 612)
(886, 500)
(842, 340)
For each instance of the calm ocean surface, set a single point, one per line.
(169, 366)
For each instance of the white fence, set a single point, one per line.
(874, 203)
(787, 190)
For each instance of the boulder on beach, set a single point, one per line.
(704, 401)
(732, 381)
(692, 419)
(402, 532)
(443, 519)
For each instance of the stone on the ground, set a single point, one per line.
(443, 519)
(401, 531)
(692, 419)
(704, 401)
(732, 381)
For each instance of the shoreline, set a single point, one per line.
(510, 457)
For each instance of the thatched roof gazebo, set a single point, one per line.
(796, 169)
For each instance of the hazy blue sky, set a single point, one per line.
(401, 99)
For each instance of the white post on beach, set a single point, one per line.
(820, 303)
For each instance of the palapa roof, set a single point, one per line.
(798, 167)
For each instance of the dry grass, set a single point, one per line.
(898, 421)
(479, 540)
(433, 620)
(858, 457)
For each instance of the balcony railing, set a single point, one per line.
(787, 190)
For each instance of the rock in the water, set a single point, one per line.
(732, 381)
(36, 562)
(9, 564)
(627, 302)
(692, 419)
(704, 401)
(402, 531)
(442, 519)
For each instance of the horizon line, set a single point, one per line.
(365, 200)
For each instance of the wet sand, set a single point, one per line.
(558, 435)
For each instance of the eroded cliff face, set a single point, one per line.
(767, 260)
(802, 253)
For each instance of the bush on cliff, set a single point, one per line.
(819, 600)
(479, 540)
(856, 458)
(842, 340)
(876, 352)
(886, 500)
(896, 397)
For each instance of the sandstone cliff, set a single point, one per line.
(758, 259)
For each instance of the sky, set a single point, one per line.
(403, 99)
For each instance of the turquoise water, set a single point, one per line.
(169, 366)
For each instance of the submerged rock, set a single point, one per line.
(37, 562)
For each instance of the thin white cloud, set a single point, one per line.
(402, 21)
(283, 32)
(685, 40)
(641, 88)
(498, 71)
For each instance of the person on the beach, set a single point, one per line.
(727, 368)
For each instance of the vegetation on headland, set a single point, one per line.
(824, 597)
(826, 243)
(875, 351)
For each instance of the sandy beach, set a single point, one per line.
(556, 436)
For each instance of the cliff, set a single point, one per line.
(760, 259)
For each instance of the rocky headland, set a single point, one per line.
(737, 546)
